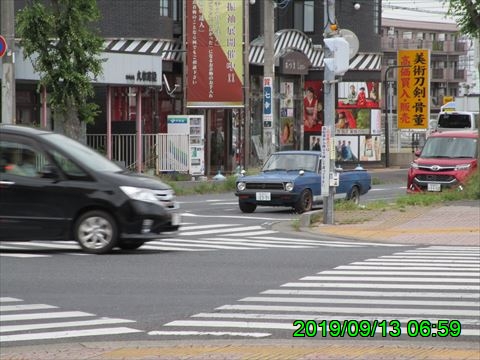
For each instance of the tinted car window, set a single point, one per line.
(21, 159)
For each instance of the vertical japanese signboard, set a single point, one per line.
(413, 89)
(267, 102)
(214, 53)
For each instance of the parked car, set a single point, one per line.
(292, 179)
(55, 188)
(446, 161)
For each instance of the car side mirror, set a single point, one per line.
(417, 153)
(49, 172)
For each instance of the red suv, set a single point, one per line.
(447, 160)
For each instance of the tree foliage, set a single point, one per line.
(467, 14)
(59, 38)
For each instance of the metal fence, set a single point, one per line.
(161, 152)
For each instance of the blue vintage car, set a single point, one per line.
(292, 178)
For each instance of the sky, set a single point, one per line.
(423, 10)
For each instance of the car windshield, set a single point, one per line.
(291, 162)
(450, 147)
(82, 154)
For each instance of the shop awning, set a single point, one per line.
(169, 50)
(297, 40)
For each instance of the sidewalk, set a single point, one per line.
(457, 223)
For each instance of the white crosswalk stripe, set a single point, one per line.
(192, 237)
(445, 285)
(19, 324)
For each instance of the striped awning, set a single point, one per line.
(169, 50)
(291, 39)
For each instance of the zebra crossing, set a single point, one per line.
(429, 283)
(22, 322)
(192, 237)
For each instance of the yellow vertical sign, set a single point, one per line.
(413, 89)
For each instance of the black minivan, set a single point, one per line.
(55, 188)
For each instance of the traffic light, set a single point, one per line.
(340, 55)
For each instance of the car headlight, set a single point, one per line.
(462, 167)
(289, 186)
(414, 165)
(139, 194)
(241, 186)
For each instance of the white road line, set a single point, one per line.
(255, 244)
(403, 294)
(210, 333)
(5, 308)
(236, 324)
(203, 245)
(406, 268)
(218, 231)
(451, 259)
(386, 278)
(352, 310)
(171, 248)
(350, 243)
(313, 300)
(441, 253)
(382, 272)
(294, 316)
(68, 334)
(103, 321)
(383, 286)
(397, 263)
(47, 315)
(253, 233)
(197, 227)
(9, 299)
(23, 256)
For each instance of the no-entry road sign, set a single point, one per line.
(3, 46)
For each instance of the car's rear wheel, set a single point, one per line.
(355, 195)
(247, 207)
(96, 232)
(130, 245)
(305, 202)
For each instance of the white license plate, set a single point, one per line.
(263, 196)
(175, 219)
(434, 187)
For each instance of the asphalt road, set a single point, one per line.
(227, 275)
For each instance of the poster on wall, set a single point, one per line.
(313, 117)
(214, 32)
(370, 149)
(346, 148)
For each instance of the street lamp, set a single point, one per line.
(387, 127)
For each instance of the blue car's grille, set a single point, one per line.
(265, 186)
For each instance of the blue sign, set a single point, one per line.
(267, 100)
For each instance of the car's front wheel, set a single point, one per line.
(304, 202)
(247, 207)
(96, 232)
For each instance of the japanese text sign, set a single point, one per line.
(413, 89)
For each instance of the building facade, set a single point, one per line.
(233, 136)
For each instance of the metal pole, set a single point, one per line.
(329, 99)
(7, 14)
(387, 106)
(246, 83)
(269, 68)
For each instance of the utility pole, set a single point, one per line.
(269, 74)
(329, 113)
(246, 84)
(7, 15)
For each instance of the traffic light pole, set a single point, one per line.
(329, 113)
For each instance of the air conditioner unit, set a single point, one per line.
(391, 31)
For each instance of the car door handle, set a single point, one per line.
(6, 183)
